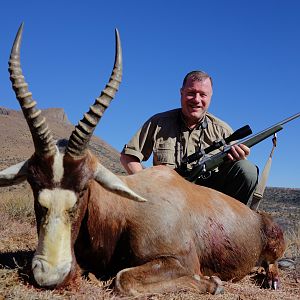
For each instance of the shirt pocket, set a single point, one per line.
(164, 153)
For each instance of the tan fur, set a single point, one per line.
(206, 232)
(183, 236)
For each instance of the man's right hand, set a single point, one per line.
(238, 152)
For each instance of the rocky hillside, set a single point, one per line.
(284, 205)
(16, 143)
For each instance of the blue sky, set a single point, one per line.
(250, 48)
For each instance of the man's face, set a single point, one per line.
(195, 99)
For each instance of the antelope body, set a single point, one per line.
(154, 230)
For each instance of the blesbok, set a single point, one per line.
(154, 230)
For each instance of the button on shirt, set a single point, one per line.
(169, 139)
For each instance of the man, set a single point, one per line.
(178, 133)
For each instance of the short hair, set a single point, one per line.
(196, 76)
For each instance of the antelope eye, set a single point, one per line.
(73, 209)
(41, 208)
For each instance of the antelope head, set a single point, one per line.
(59, 174)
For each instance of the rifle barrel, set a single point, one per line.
(249, 142)
(290, 119)
(215, 160)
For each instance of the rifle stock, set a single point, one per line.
(210, 163)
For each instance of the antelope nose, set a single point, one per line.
(39, 265)
(41, 271)
(47, 275)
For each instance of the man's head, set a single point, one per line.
(196, 94)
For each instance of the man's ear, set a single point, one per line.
(181, 91)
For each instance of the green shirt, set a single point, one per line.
(169, 139)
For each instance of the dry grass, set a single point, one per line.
(17, 203)
(18, 240)
(14, 285)
(19, 210)
(292, 238)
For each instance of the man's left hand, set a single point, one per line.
(238, 152)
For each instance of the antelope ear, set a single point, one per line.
(113, 183)
(14, 174)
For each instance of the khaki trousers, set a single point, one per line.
(236, 179)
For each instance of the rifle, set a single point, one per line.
(209, 163)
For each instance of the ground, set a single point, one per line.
(18, 241)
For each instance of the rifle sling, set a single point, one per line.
(260, 188)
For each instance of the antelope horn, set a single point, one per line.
(42, 138)
(82, 133)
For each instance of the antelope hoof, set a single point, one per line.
(274, 284)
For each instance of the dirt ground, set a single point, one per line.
(18, 240)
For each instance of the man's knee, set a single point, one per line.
(247, 170)
(241, 180)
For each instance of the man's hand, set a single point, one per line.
(238, 152)
(131, 163)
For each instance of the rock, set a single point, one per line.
(286, 263)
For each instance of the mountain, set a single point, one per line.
(16, 143)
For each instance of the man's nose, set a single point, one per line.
(198, 97)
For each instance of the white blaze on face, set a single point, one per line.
(53, 257)
(58, 167)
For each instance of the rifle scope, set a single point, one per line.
(237, 135)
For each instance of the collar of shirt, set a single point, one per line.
(202, 123)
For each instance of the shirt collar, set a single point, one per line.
(201, 124)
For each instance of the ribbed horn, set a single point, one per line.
(42, 138)
(82, 133)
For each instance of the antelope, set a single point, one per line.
(154, 231)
